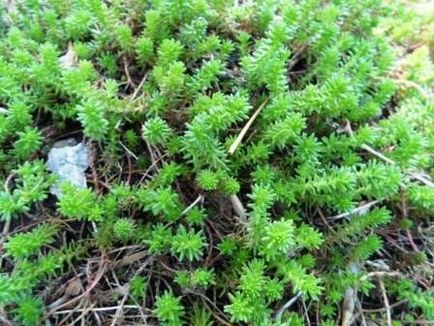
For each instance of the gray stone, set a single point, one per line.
(68, 160)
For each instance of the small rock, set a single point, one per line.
(68, 160)
(69, 59)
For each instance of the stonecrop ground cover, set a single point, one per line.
(252, 162)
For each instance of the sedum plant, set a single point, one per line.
(169, 309)
(252, 162)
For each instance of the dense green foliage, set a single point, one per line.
(253, 162)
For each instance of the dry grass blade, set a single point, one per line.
(288, 304)
(363, 209)
(102, 269)
(350, 298)
(243, 132)
(239, 208)
(130, 259)
(386, 302)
